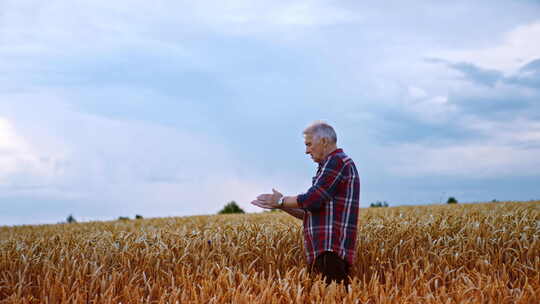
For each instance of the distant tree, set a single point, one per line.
(452, 200)
(70, 219)
(138, 217)
(494, 201)
(123, 218)
(231, 207)
(378, 204)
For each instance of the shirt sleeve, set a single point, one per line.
(324, 186)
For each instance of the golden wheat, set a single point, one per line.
(477, 253)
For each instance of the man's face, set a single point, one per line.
(314, 147)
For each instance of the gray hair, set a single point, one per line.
(320, 129)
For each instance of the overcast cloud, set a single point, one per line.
(168, 108)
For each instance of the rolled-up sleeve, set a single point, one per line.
(324, 186)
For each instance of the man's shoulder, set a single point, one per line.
(340, 159)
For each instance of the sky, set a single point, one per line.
(174, 108)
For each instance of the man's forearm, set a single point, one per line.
(296, 212)
(290, 202)
(290, 205)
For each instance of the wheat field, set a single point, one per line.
(464, 253)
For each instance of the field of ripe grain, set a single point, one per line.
(477, 253)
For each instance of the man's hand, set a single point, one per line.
(268, 201)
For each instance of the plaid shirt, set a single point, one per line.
(331, 208)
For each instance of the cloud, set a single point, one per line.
(121, 166)
(491, 94)
(435, 110)
(21, 165)
(478, 75)
(533, 66)
(518, 132)
(515, 49)
(498, 103)
(117, 108)
(62, 26)
(528, 75)
(417, 93)
(470, 160)
(491, 127)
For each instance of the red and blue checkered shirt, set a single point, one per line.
(331, 208)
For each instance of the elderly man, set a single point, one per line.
(329, 209)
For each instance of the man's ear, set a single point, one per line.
(324, 141)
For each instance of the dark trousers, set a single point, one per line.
(332, 267)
